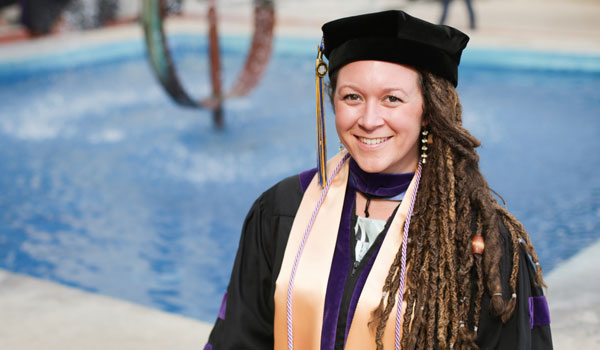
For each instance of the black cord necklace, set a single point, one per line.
(367, 205)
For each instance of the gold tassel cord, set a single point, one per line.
(321, 71)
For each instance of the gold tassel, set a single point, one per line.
(321, 71)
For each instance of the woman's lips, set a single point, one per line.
(372, 141)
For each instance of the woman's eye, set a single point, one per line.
(392, 99)
(351, 97)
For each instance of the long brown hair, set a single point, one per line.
(453, 204)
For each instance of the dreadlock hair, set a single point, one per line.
(445, 280)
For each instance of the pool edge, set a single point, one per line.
(40, 314)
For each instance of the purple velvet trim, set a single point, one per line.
(223, 307)
(208, 347)
(306, 177)
(381, 185)
(539, 315)
(338, 274)
(360, 284)
(384, 185)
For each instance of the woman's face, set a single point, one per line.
(378, 115)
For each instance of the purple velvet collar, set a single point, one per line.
(389, 186)
(378, 185)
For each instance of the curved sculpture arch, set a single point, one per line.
(152, 17)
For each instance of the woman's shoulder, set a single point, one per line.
(283, 198)
(247, 321)
(529, 326)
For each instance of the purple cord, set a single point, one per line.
(301, 248)
(403, 264)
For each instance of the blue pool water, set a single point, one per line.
(108, 186)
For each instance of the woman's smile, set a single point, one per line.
(373, 141)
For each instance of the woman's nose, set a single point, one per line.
(372, 116)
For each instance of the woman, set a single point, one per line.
(399, 244)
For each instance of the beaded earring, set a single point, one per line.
(427, 139)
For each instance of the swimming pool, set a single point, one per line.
(108, 186)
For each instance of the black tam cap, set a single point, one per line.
(394, 36)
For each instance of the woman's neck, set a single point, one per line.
(377, 195)
(380, 209)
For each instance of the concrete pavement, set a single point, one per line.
(574, 298)
(38, 314)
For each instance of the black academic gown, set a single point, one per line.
(246, 317)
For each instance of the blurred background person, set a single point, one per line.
(41, 16)
(446, 4)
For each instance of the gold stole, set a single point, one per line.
(312, 273)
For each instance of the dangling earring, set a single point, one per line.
(342, 147)
(427, 139)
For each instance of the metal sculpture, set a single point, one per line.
(152, 17)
